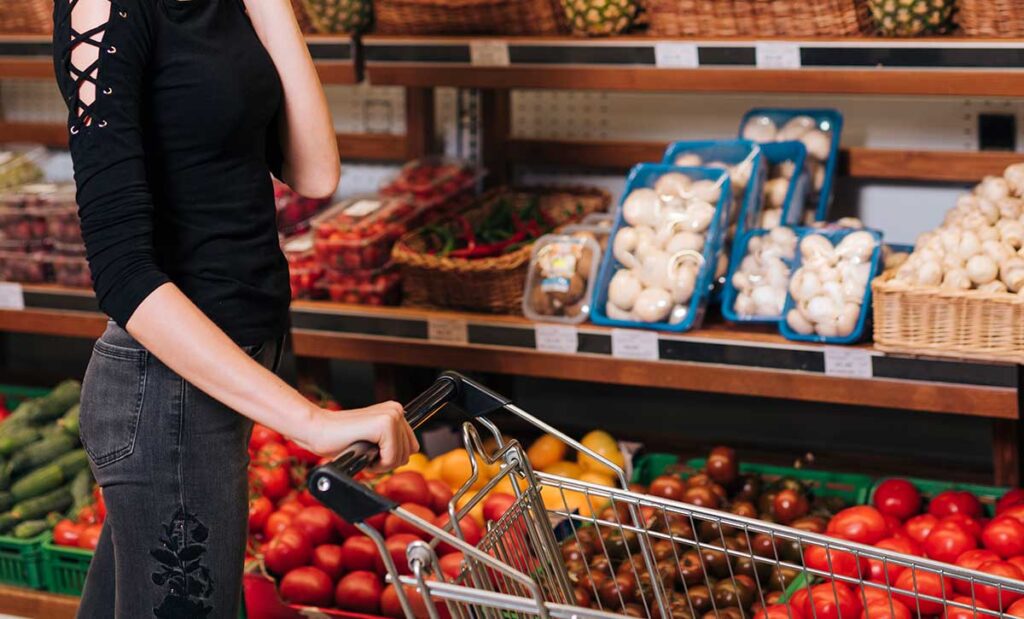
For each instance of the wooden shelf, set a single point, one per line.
(20, 602)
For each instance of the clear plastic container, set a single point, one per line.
(560, 282)
(381, 286)
(359, 233)
(294, 212)
(30, 265)
(38, 211)
(71, 271)
(304, 270)
(75, 250)
(432, 178)
(600, 233)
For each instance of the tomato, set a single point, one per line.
(407, 487)
(917, 582)
(496, 505)
(918, 527)
(396, 546)
(889, 571)
(345, 528)
(272, 454)
(290, 506)
(1012, 497)
(277, 522)
(947, 541)
(288, 550)
(667, 487)
(317, 522)
(894, 526)
(990, 595)
(359, 592)
(897, 497)
(970, 525)
(307, 499)
(1015, 610)
(359, 554)
(261, 435)
(271, 482)
(260, 509)
(872, 595)
(889, 609)
(440, 495)
(838, 562)
(90, 537)
(862, 524)
(309, 586)
(833, 600)
(471, 532)
(391, 607)
(1018, 561)
(394, 525)
(100, 503)
(955, 502)
(377, 522)
(328, 557)
(301, 454)
(955, 612)
(67, 533)
(87, 515)
(972, 560)
(778, 611)
(451, 565)
(1004, 536)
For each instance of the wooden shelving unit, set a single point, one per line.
(19, 602)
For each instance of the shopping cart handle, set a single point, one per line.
(333, 483)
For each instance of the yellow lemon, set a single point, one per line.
(595, 477)
(456, 470)
(603, 444)
(546, 451)
(477, 512)
(417, 462)
(565, 469)
(505, 485)
(433, 470)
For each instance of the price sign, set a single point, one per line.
(448, 330)
(557, 338)
(777, 55)
(672, 55)
(848, 362)
(486, 53)
(12, 296)
(635, 344)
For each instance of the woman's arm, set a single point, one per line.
(311, 163)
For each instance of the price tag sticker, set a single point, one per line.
(848, 362)
(448, 330)
(484, 53)
(12, 296)
(777, 55)
(557, 338)
(672, 55)
(635, 344)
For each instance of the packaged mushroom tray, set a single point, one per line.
(665, 245)
(756, 290)
(961, 292)
(560, 282)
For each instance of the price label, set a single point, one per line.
(557, 338)
(448, 330)
(777, 55)
(635, 344)
(12, 296)
(362, 208)
(848, 362)
(486, 53)
(671, 55)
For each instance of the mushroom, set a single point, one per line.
(856, 246)
(817, 246)
(775, 191)
(688, 160)
(796, 127)
(683, 284)
(771, 218)
(685, 240)
(993, 287)
(706, 190)
(617, 313)
(1014, 175)
(982, 269)
(798, 323)
(956, 279)
(624, 288)
(760, 129)
(624, 245)
(847, 320)
(653, 305)
(929, 274)
(673, 184)
(993, 188)
(641, 207)
(818, 144)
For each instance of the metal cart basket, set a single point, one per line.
(568, 548)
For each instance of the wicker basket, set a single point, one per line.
(991, 18)
(947, 323)
(761, 18)
(334, 16)
(27, 17)
(505, 17)
(487, 284)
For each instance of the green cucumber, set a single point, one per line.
(72, 462)
(16, 440)
(69, 422)
(38, 482)
(81, 491)
(54, 404)
(7, 522)
(39, 506)
(6, 501)
(53, 518)
(38, 454)
(30, 528)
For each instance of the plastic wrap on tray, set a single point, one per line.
(72, 271)
(35, 212)
(359, 233)
(432, 178)
(560, 282)
(381, 286)
(294, 212)
(304, 269)
(25, 262)
(756, 289)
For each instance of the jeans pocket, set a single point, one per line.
(112, 395)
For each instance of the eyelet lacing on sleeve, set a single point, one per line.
(87, 80)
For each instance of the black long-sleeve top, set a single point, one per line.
(173, 159)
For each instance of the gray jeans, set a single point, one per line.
(172, 463)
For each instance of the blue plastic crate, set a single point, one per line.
(645, 175)
(730, 293)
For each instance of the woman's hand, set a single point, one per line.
(331, 432)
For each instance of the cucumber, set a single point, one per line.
(37, 482)
(39, 506)
(7, 521)
(72, 462)
(40, 453)
(6, 501)
(81, 491)
(69, 422)
(16, 440)
(56, 403)
(53, 518)
(30, 528)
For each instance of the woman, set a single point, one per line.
(179, 112)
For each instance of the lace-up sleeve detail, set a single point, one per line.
(101, 50)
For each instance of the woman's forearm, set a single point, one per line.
(312, 165)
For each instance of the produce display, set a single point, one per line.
(294, 212)
(762, 278)
(911, 18)
(27, 262)
(363, 287)
(561, 277)
(785, 190)
(432, 179)
(40, 212)
(19, 167)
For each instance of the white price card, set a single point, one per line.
(777, 55)
(448, 330)
(848, 362)
(557, 338)
(635, 344)
(12, 296)
(484, 53)
(672, 55)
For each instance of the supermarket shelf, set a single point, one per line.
(20, 602)
(842, 66)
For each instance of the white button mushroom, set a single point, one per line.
(856, 246)
(683, 241)
(956, 279)
(771, 218)
(822, 309)
(688, 160)
(678, 314)
(683, 284)
(993, 188)
(775, 191)
(798, 323)
(847, 320)
(1014, 175)
(929, 274)
(623, 289)
(641, 207)
(653, 305)
(760, 129)
(617, 313)
(744, 305)
(624, 245)
(654, 270)
(673, 184)
(706, 190)
(700, 214)
(993, 287)
(982, 269)
(817, 246)
(796, 127)
(818, 144)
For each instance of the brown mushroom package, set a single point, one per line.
(561, 278)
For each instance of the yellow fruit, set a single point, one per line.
(456, 470)
(478, 510)
(433, 470)
(567, 501)
(565, 469)
(417, 462)
(594, 477)
(601, 442)
(546, 451)
(505, 485)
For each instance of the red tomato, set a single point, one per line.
(838, 562)
(309, 586)
(955, 502)
(955, 612)
(798, 600)
(897, 497)
(1012, 497)
(872, 595)
(894, 525)
(288, 550)
(271, 482)
(90, 537)
(1015, 610)
(317, 522)
(272, 454)
(345, 528)
(972, 560)
(440, 495)
(301, 454)
(391, 607)
(394, 525)
(290, 506)
(359, 592)
(277, 522)
(947, 541)
(990, 595)
(377, 522)
(778, 611)
(496, 505)
(101, 504)
(67, 533)
(863, 524)
(261, 435)
(87, 515)
(327, 557)
(1018, 561)
(260, 509)
(833, 600)
(451, 565)
(396, 546)
(1014, 511)
(888, 571)
(407, 487)
(471, 532)
(307, 499)
(917, 582)
(968, 524)
(889, 609)
(359, 553)
(918, 527)
(1004, 536)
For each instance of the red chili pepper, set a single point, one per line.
(467, 231)
(490, 249)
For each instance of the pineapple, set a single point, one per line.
(340, 16)
(600, 17)
(910, 18)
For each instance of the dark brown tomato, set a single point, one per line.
(691, 570)
(722, 465)
(764, 545)
(715, 561)
(701, 496)
(812, 524)
(748, 488)
(700, 598)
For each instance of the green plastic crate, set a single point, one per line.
(21, 561)
(65, 568)
(852, 488)
(988, 495)
(15, 394)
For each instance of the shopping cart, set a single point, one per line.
(568, 548)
